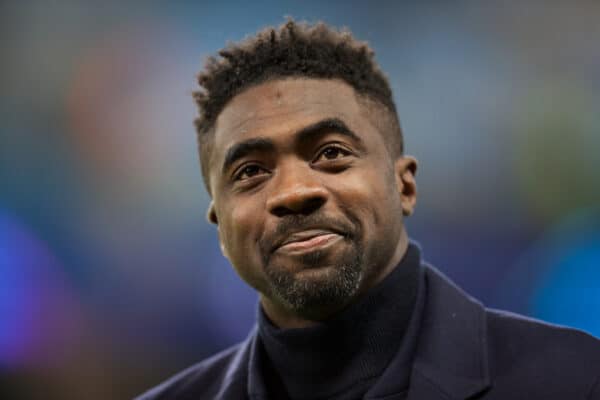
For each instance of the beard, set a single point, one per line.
(325, 279)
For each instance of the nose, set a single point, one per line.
(296, 191)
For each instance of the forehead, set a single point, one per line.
(276, 107)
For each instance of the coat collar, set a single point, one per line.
(451, 359)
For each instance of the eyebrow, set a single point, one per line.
(246, 147)
(328, 125)
(304, 135)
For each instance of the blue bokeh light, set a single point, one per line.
(569, 293)
(15, 296)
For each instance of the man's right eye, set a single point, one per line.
(248, 172)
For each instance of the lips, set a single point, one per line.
(307, 240)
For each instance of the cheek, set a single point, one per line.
(372, 196)
(237, 229)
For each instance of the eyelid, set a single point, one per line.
(240, 169)
(337, 145)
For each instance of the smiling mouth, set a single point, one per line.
(307, 241)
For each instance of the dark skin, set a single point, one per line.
(302, 182)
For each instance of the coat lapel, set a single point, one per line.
(451, 360)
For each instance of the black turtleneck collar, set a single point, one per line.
(342, 357)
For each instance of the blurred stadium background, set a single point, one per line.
(110, 277)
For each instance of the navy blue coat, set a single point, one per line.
(463, 351)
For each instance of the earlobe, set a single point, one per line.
(211, 214)
(406, 168)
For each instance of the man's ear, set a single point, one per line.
(211, 216)
(405, 171)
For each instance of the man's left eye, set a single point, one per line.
(332, 153)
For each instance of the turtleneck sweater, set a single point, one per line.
(343, 357)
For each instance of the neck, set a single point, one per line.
(283, 317)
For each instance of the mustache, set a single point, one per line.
(297, 223)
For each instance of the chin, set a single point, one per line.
(315, 287)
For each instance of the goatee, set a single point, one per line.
(325, 280)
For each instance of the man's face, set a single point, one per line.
(307, 199)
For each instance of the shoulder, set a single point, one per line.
(518, 340)
(518, 336)
(206, 379)
(511, 352)
(554, 360)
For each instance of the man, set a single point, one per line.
(301, 152)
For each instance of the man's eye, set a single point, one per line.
(248, 172)
(332, 153)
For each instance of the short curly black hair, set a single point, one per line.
(291, 50)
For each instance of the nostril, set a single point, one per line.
(281, 211)
(305, 207)
(312, 205)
